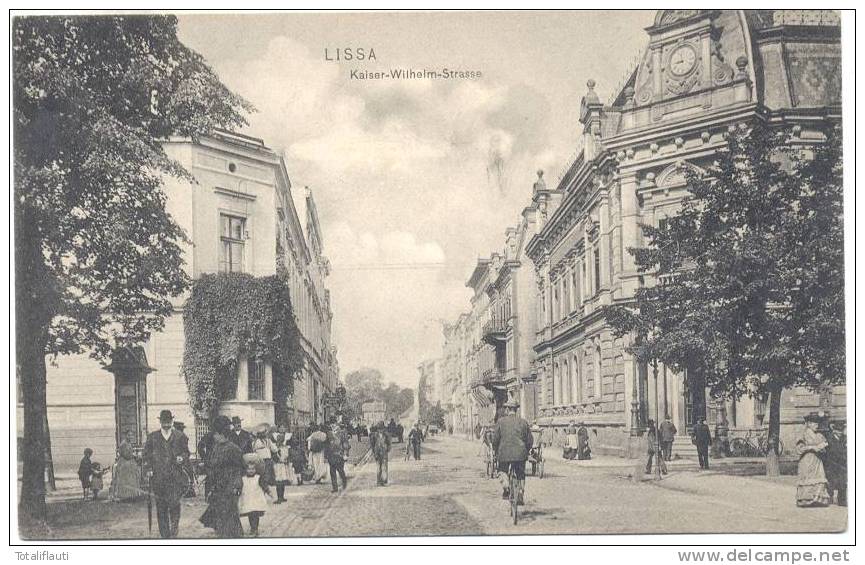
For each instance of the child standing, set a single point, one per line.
(252, 502)
(96, 479)
(85, 470)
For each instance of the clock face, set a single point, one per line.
(682, 60)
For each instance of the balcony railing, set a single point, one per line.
(495, 330)
(492, 377)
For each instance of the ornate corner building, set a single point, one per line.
(703, 72)
(535, 330)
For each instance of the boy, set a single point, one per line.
(85, 470)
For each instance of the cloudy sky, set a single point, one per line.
(415, 179)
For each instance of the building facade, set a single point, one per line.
(703, 72)
(241, 215)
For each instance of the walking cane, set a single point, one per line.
(150, 505)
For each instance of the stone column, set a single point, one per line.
(630, 232)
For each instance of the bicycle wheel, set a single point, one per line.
(514, 498)
(738, 447)
(188, 482)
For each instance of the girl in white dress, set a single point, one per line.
(252, 502)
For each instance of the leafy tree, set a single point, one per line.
(750, 283)
(364, 385)
(96, 255)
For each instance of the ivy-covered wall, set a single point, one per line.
(232, 315)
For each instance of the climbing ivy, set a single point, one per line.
(229, 315)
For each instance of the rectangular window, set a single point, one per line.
(232, 239)
(597, 254)
(255, 379)
(575, 290)
(662, 224)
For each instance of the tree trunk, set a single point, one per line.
(773, 465)
(31, 503)
(34, 300)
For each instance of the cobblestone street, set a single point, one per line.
(445, 493)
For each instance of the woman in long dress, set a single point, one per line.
(225, 471)
(571, 443)
(584, 451)
(281, 476)
(811, 488)
(126, 476)
(316, 444)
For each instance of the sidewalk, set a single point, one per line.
(71, 518)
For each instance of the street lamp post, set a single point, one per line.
(659, 455)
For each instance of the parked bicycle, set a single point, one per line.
(753, 444)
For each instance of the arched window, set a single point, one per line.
(598, 369)
(554, 399)
(566, 380)
(578, 381)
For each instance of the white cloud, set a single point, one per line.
(407, 175)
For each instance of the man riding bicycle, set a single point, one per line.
(512, 441)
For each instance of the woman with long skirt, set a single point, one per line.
(812, 486)
(126, 477)
(225, 470)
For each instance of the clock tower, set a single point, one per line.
(683, 59)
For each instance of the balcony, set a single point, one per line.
(495, 331)
(497, 378)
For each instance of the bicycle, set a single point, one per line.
(751, 446)
(515, 492)
(191, 482)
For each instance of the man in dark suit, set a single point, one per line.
(667, 431)
(512, 441)
(702, 439)
(240, 437)
(166, 451)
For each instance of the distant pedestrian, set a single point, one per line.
(652, 449)
(571, 444)
(415, 437)
(96, 484)
(281, 463)
(85, 471)
(225, 469)
(316, 444)
(379, 442)
(835, 462)
(811, 486)
(297, 457)
(667, 432)
(252, 502)
(240, 437)
(584, 451)
(165, 454)
(126, 474)
(262, 448)
(702, 439)
(336, 452)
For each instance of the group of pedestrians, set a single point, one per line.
(241, 468)
(822, 472)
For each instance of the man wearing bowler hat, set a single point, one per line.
(240, 437)
(166, 452)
